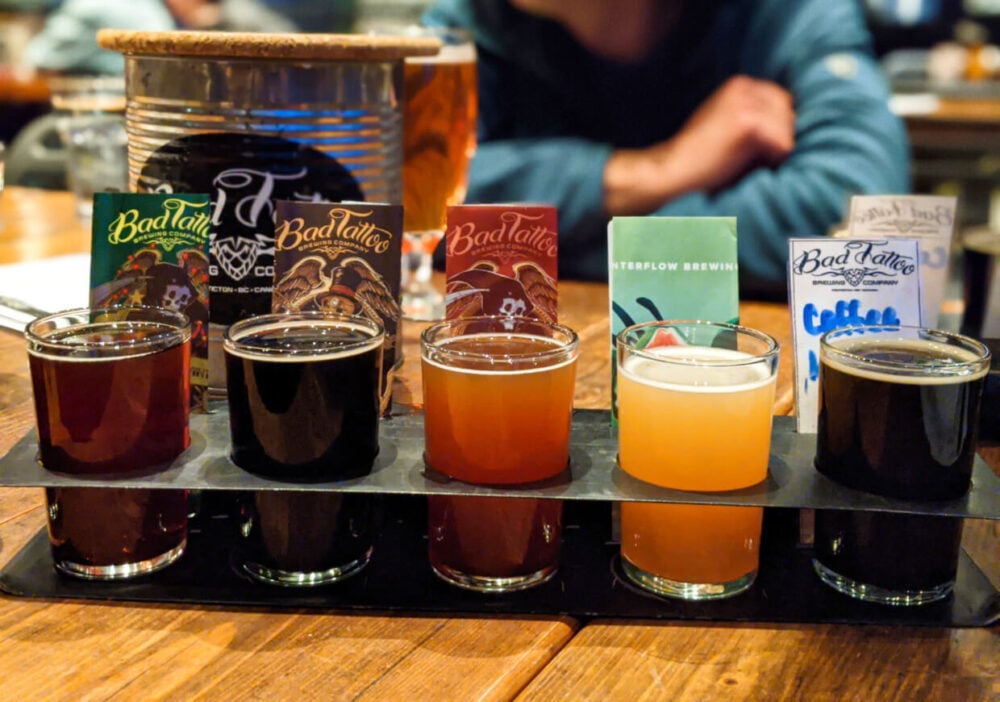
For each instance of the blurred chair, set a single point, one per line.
(37, 157)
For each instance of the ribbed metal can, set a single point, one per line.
(255, 118)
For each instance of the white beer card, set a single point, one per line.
(930, 219)
(836, 283)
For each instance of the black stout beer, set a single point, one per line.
(110, 390)
(303, 392)
(898, 414)
(304, 395)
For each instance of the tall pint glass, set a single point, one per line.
(439, 140)
(111, 399)
(303, 392)
(498, 402)
(694, 413)
(898, 416)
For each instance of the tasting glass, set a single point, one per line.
(111, 401)
(694, 413)
(498, 402)
(898, 418)
(303, 394)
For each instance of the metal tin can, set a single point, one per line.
(255, 118)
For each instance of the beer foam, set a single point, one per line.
(271, 342)
(698, 369)
(942, 364)
(498, 364)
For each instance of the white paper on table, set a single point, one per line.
(49, 284)
(930, 219)
(836, 283)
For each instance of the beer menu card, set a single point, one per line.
(502, 260)
(836, 283)
(930, 219)
(152, 249)
(671, 268)
(343, 258)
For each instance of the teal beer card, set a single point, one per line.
(152, 249)
(671, 268)
(836, 283)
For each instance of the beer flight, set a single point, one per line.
(898, 417)
(307, 368)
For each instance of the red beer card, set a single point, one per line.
(343, 258)
(152, 249)
(502, 259)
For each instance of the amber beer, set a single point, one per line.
(439, 138)
(898, 415)
(498, 399)
(111, 399)
(694, 413)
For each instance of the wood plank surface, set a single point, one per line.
(93, 650)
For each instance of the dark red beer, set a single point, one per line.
(494, 543)
(111, 399)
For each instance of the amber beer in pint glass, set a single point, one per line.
(439, 140)
(111, 399)
(498, 402)
(694, 413)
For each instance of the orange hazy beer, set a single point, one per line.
(500, 411)
(695, 417)
(439, 136)
(498, 402)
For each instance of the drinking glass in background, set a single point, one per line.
(303, 393)
(498, 404)
(694, 413)
(111, 400)
(439, 140)
(898, 417)
(91, 126)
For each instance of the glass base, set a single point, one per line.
(880, 595)
(686, 591)
(122, 571)
(492, 584)
(290, 578)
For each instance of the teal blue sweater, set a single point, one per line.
(551, 113)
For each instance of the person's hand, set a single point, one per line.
(745, 124)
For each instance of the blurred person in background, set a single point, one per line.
(772, 111)
(67, 42)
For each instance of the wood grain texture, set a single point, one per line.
(616, 660)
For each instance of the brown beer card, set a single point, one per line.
(502, 260)
(343, 258)
(152, 249)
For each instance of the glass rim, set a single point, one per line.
(39, 343)
(571, 345)
(303, 318)
(773, 347)
(951, 367)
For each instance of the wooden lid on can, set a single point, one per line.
(253, 45)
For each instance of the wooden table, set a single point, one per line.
(71, 649)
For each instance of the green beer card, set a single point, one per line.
(152, 249)
(670, 268)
